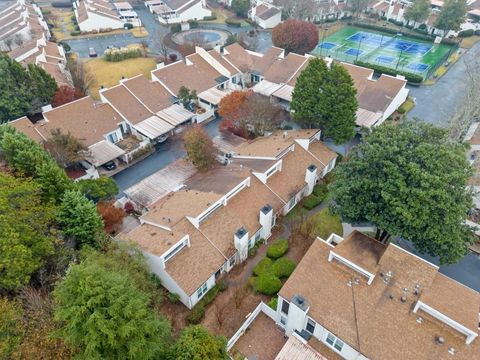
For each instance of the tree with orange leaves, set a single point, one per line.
(111, 215)
(66, 94)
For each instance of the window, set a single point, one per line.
(334, 342)
(210, 212)
(291, 203)
(251, 242)
(257, 236)
(232, 261)
(271, 171)
(113, 138)
(283, 320)
(202, 290)
(310, 326)
(285, 307)
(175, 250)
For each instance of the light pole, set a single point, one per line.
(324, 31)
(358, 49)
(399, 58)
(381, 40)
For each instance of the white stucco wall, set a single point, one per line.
(97, 22)
(395, 104)
(269, 23)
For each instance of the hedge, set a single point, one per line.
(115, 55)
(193, 24)
(263, 266)
(233, 22)
(273, 303)
(283, 267)
(411, 77)
(311, 201)
(267, 284)
(75, 33)
(321, 190)
(176, 28)
(210, 18)
(277, 249)
(466, 33)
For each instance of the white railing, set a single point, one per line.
(206, 115)
(262, 307)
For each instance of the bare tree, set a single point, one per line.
(468, 110)
(18, 39)
(65, 148)
(298, 9)
(220, 311)
(8, 43)
(239, 293)
(81, 78)
(144, 46)
(159, 42)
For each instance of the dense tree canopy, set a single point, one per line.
(297, 9)
(247, 112)
(410, 182)
(105, 317)
(10, 329)
(452, 15)
(241, 7)
(24, 91)
(296, 36)
(419, 11)
(25, 239)
(326, 98)
(199, 147)
(79, 220)
(103, 188)
(196, 343)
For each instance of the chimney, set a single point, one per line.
(241, 243)
(266, 220)
(311, 178)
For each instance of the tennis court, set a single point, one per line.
(394, 51)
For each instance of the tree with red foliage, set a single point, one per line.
(111, 215)
(296, 36)
(200, 149)
(247, 113)
(66, 94)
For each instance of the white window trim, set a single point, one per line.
(336, 341)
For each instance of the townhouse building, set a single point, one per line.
(356, 298)
(194, 234)
(178, 11)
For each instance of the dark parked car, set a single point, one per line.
(110, 165)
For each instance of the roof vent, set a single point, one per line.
(419, 320)
(356, 281)
(403, 299)
(285, 134)
(391, 297)
(440, 340)
(349, 283)
(452, 350)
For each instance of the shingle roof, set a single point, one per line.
(371, 318)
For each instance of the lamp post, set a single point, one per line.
(358, 49)
(381, 40)
(324, 31)
(399, 58)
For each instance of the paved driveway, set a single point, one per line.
(437, 103)
(166, 153)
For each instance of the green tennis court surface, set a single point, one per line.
(394, 51)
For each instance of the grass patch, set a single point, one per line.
(109, 74)
(468, 42)
(296, 212)
(406, 106)
(322, 224)
(139, 32)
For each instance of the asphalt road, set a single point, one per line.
(155, 30)
(437, 103)
(166, 153)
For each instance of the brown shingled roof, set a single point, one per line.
(125, 103)
(151, 93)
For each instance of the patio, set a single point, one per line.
(263, 340)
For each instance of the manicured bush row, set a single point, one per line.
(411, 77)
(311, 201)
(273, 303)
(263, 266)
(466, 33)
(283, 267)
(115, 55)
(277, 249)
(210, 18)
(267, 283)
(233, 22)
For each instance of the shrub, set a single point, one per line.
(173, 298)
(401, 110)
(77, 28)
(321, 190)
(263, 266)
(267, 283)
(283, 267)
(129, 207)
(196, 315)
(193, 24)
(115, 55)
(173, 57)
(411, 77)
(222, 285)
(273, 303)
(466, 33)
(311, 202)
(156, 280)
(210, 18)
(233, 22)
(128, 26)
(277, 249)
(422, 27)
(75, 33)
(175, 28)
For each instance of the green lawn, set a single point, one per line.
(384, 49)
(322, 224)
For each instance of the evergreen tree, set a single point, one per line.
(196, 343)
(104, 316)
(25, 241)
(241, 7)
(53, 181)
(418, 12)
(409, 181)
(451, 16)
(326, 98)
(79, 220)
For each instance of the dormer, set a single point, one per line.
(263, 176)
